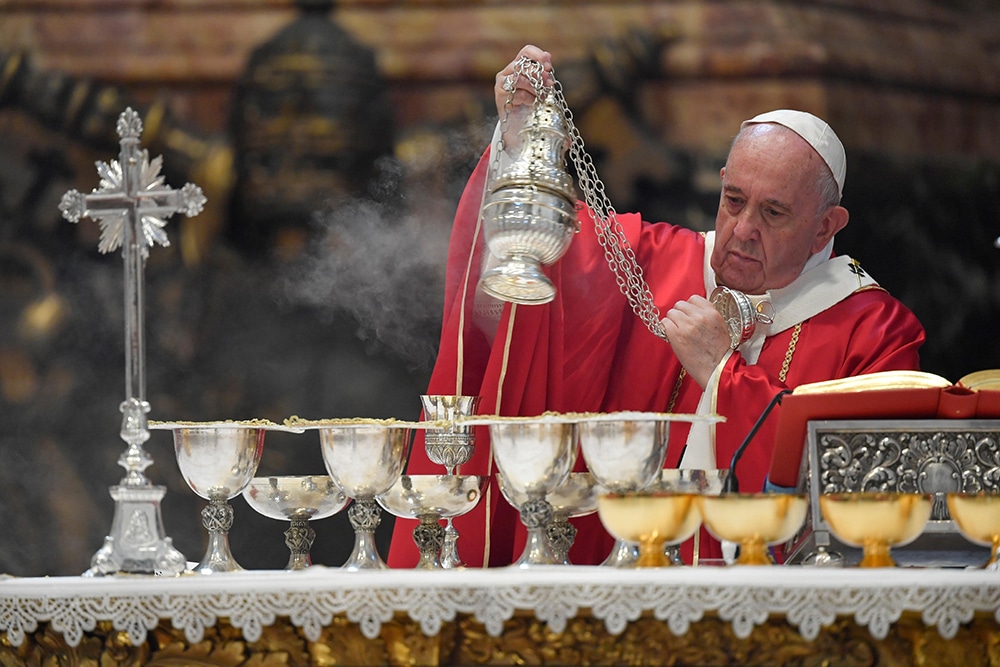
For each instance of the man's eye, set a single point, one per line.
(735, 202)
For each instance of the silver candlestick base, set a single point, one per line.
(137, 543)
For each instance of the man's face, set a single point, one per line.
(767, 226)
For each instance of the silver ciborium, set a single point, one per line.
(449, 446)
(625, 452)
(297, 499)
(534, 455)
(576, 496)
(529, 213)
(217, 461)
(365, 457)
(431, 498)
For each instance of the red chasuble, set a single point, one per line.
(586, 351)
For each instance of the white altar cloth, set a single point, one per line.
(809, 598)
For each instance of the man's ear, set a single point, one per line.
(834, 219)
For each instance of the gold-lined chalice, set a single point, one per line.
(653, 519)
(977, 516)
(297, 499)
(754, 520)
(876, 521)
(625, 453)
(430, 498)
(575, 497)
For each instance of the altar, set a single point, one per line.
(542, 615)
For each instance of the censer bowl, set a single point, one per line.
(876, 521)
(977, 516)
(754, 520)
(652, 519)
(525, 227)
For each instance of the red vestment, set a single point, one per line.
(587, 352)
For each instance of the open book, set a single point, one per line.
(885, 395)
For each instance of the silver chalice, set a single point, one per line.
(217, 461)
(534, 455)
(298, 499)
(449, 446)
(431, 498)
(576, 496)
(625, 452)
(365, 457)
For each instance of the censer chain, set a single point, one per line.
(610, 233)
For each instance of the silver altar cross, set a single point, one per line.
(132, 205)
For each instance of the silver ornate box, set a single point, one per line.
(917, 456)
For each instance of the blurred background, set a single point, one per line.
(332, 141)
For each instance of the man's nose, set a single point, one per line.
(747, 224)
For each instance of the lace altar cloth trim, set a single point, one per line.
(745, 596)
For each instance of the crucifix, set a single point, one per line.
(132, 205)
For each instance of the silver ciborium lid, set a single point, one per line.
(529, 215)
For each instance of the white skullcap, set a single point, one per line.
(815, 131)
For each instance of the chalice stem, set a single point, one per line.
(217, 518)
(365, 517)
(994, 563)
(876, 554)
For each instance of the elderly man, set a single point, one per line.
(586, 351)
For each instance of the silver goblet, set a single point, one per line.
(576, 496)
(625, 452)
(365, 457)
(534, 455)
(298, 499)
(450, 446)
(217, 462)
(431, 498)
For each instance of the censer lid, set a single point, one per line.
(539, 164)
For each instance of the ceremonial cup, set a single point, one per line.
(431, 498)
(876, 521)
(625, 453)
(217, 462)
(977, 516)
(651, 519)
(534, 455)
(576, 496)
(298, 499)
(754, 521)
(365, 457)
(449, 446)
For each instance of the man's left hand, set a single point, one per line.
(699, 336)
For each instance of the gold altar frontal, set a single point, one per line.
(770, 615)
(524, 641)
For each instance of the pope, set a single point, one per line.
(586, 351)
